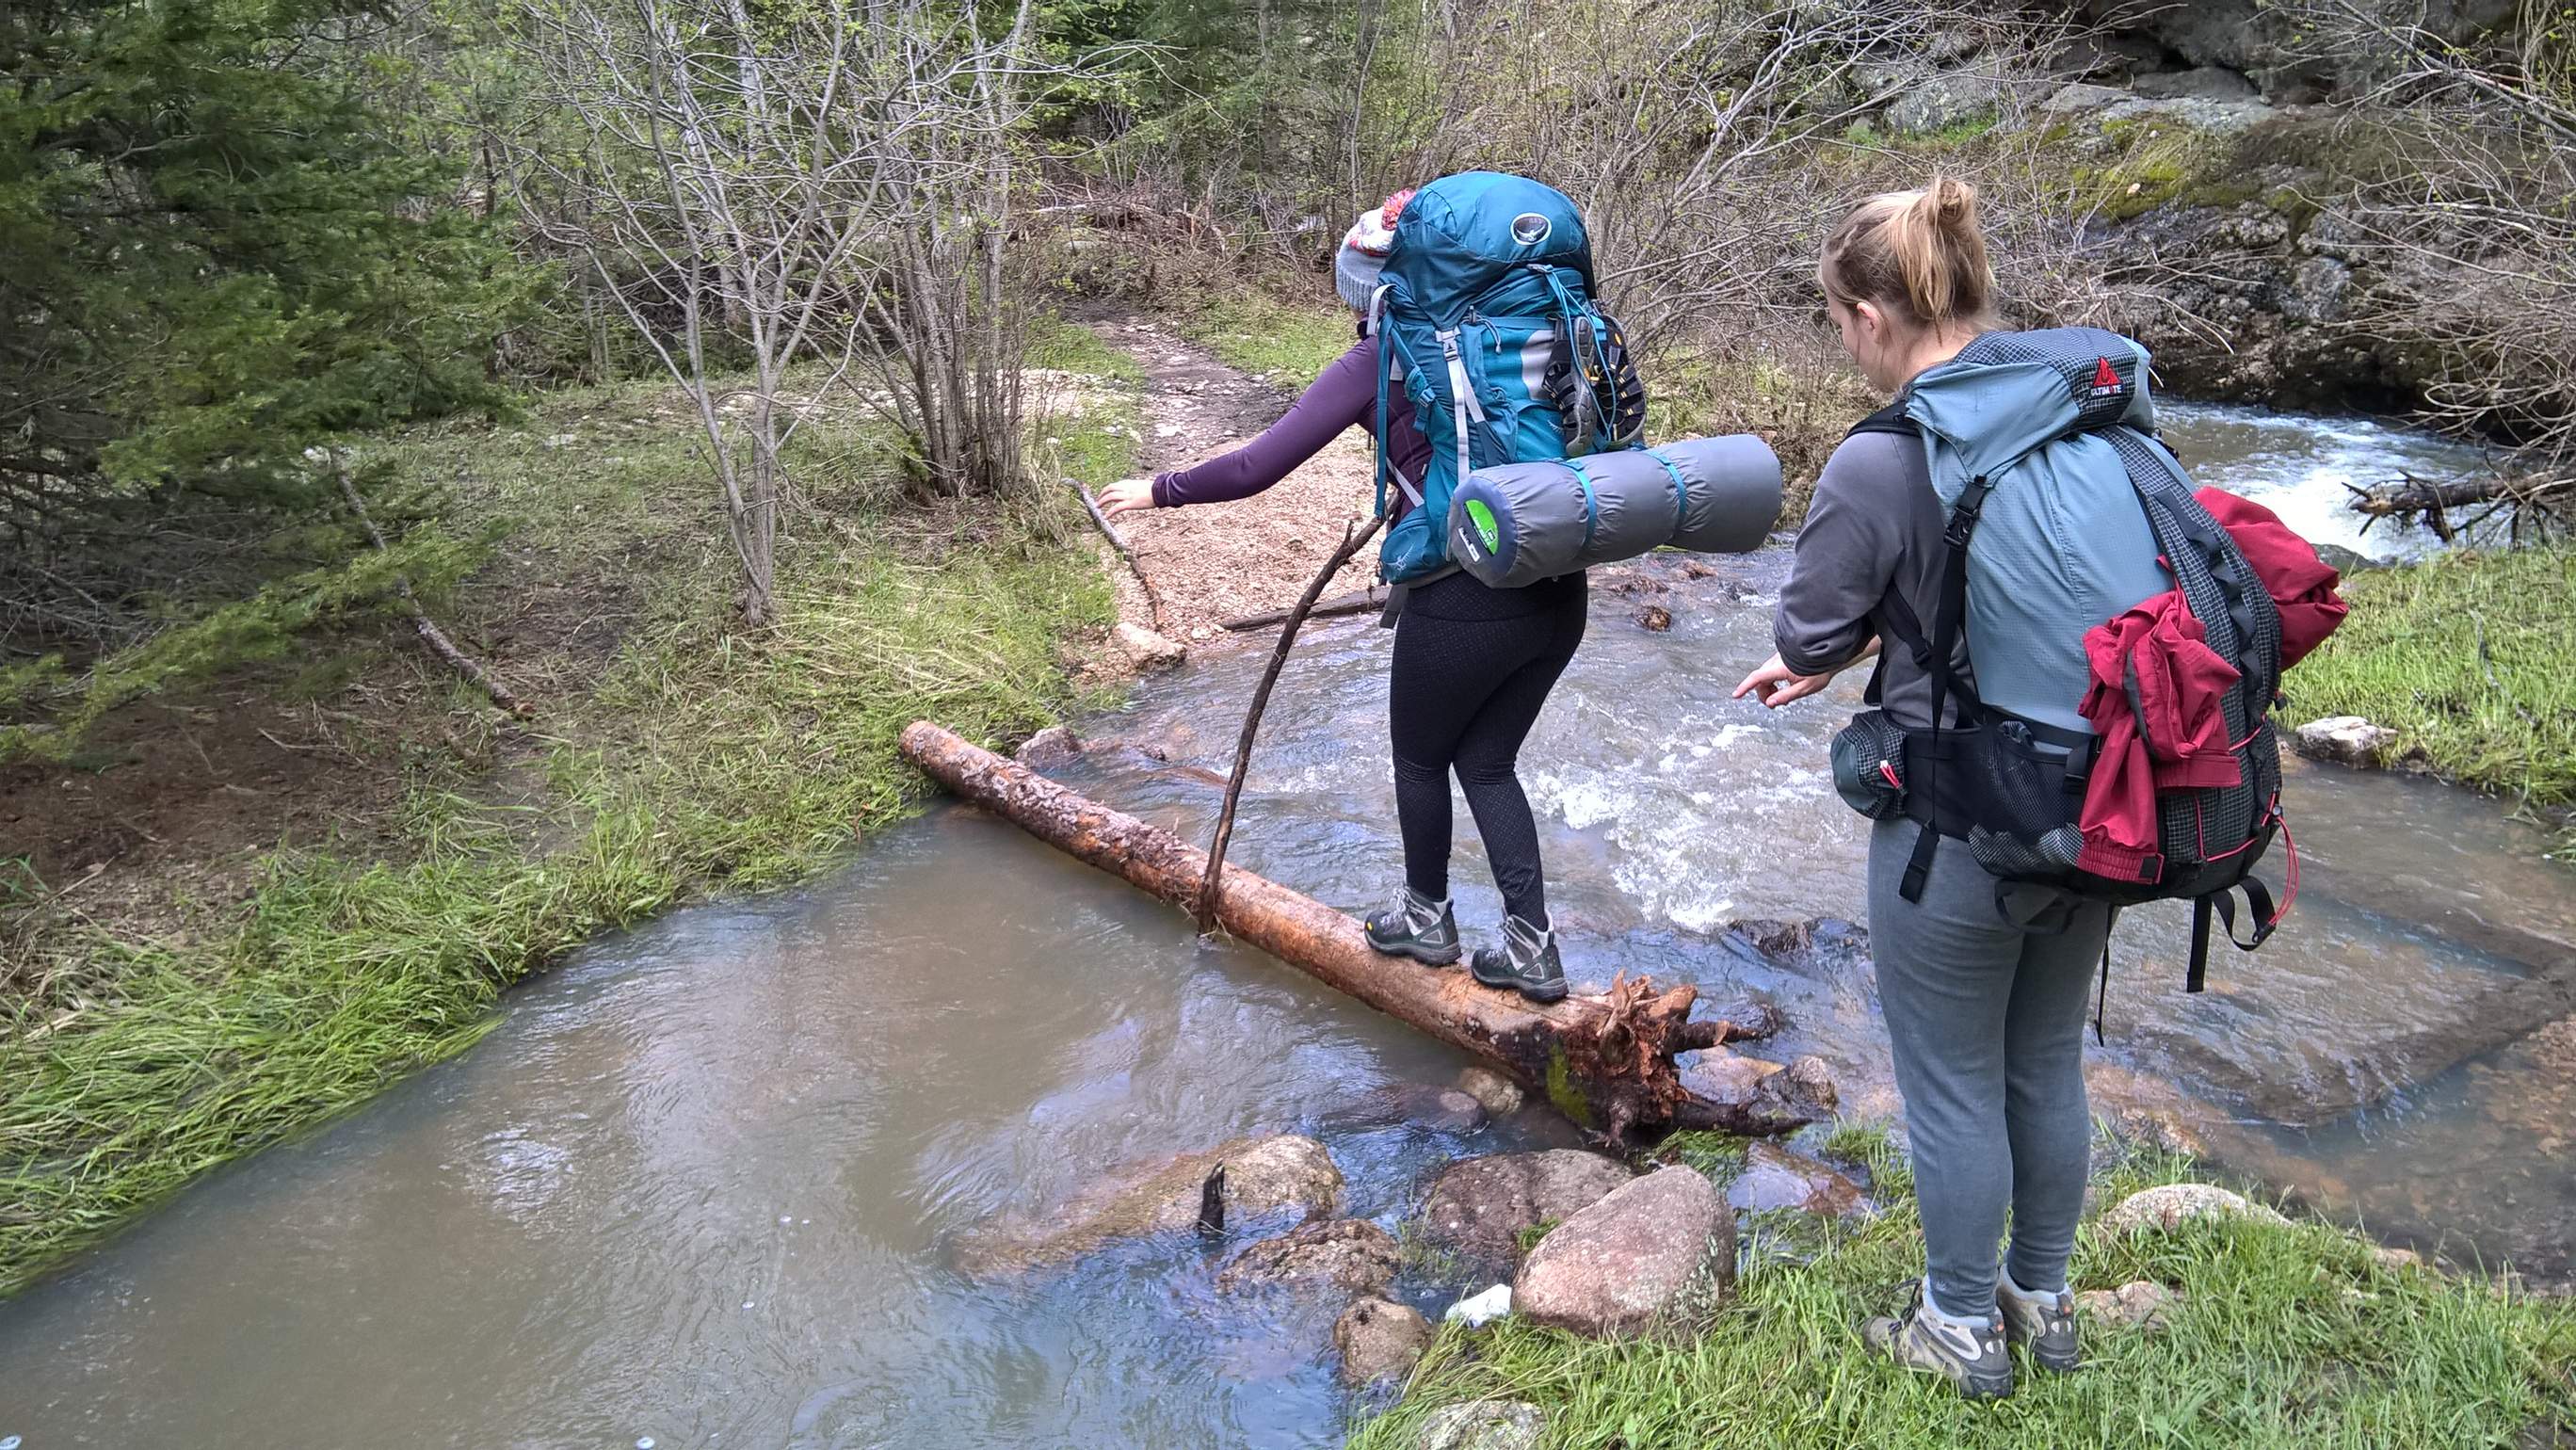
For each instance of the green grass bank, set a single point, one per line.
(674, 755)
(2284, 1335)
(2467, 656)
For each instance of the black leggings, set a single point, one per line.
(1472, 667)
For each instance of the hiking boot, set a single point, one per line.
(1526, 962)
(2044, 1326)
(1417, 927)
(1972, 1359)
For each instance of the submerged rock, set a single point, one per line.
(1352, 1255)
(2140, 1304)
(1787, 1097)
(1262, 1175)
(2175, 1204)
(1643, 1255)
(1774, 1177)
(1050, 749)
(1445, 1110)
(1500, 1096)
(2346, 740)
(1379, 1339)
(1484, 1425)
(1482, 1205)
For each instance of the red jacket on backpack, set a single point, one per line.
(2157, 688)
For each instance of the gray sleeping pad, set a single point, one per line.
(1518, 523)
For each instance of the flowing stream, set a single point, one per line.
(704, 1185)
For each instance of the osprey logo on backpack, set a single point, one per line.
(1484, 303)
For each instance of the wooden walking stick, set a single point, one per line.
(1352, 538)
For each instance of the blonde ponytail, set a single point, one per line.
(1922, 253)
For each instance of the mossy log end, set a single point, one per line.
(1606, 1060)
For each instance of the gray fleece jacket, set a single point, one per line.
(1873, 531)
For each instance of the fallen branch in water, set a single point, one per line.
(431, 636)
(2537, 499)
(1352, 539)
(1358, 601)
(1606, 1060)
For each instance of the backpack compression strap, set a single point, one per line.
(1950, 618)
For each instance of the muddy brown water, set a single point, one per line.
(704, 1184)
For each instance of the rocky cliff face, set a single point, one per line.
(2256, 251)
(2269, 48)
(2221, 160)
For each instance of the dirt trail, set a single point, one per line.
(1217, 562)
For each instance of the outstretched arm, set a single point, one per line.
(1343, 397)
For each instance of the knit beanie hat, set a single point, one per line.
(1364, 248)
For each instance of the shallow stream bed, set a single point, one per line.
(705, 1184)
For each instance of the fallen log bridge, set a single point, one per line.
(1605, 1060)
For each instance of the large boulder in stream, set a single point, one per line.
(1481, 1206)
(1351, 1255)
(1648, 1255)
(1786, 1097)
(1262, 1175)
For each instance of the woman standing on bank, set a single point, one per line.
(1983, 990)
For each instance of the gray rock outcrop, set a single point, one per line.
(1481, 1206)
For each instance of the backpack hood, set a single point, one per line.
(1464, 234)
(2008, 393)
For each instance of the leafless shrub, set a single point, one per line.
(2463, 215)
(829, 184)
(1687, 133)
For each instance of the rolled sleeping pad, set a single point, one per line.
(1518, 523)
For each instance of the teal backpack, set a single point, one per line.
(1484, 313)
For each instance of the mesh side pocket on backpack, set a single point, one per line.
(1869, 765)
(2023, 812)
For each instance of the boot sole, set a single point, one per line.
(2053, 1364)
(1975, 1388)
(1428, 956)
(1553, 992)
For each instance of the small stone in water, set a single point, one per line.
(746, 1303)
(8, 1442)
(644, 1444)
(786, 1218)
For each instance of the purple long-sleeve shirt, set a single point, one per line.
(1345, 396)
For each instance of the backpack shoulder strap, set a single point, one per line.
(1890, 419)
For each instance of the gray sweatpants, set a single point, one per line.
(1985, 1018)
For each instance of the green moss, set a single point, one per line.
(2157, 161)
(1563, 1092)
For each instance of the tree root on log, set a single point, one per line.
(1606, 1061)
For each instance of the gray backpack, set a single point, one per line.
(2064, 513)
